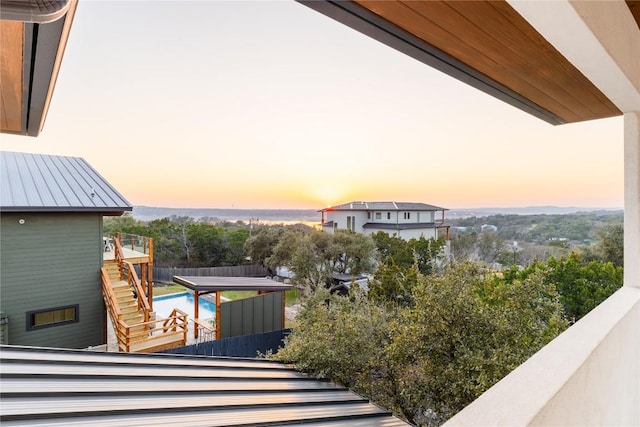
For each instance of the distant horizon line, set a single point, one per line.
(455, 208)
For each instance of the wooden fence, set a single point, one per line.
(164, 274)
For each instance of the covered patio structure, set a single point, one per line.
(202, 285)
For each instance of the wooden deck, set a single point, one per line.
(130, 255)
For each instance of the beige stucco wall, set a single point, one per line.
(613, 24)
(589, 375)
(632, 199)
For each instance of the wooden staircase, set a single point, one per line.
(130, 312)
(127, 302)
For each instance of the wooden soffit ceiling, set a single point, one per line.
(486, 44)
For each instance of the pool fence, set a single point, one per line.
(242, 346)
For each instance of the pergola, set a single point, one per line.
(202, 285)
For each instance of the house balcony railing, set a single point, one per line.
(134, 242)
(588, 375)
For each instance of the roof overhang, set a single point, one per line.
(215, 283)
(33, 37)
(488, 45)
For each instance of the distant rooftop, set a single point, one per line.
(48, 183)
(384, 206)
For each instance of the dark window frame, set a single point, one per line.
(31, 317)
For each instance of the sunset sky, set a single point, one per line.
(273, 105)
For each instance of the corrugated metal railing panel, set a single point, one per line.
(262, 313)
(79, 388)
(243, 346)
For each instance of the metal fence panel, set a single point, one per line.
(242, 346)
(262, 313)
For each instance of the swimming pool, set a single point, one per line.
(164, 304)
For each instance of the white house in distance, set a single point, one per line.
(405, 220)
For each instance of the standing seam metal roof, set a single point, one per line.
(47, 183)
(42, 386)
(384, 206)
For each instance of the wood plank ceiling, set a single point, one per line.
(11, 39)
(494, 40)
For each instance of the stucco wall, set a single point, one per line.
(589, 375)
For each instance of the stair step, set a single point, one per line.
(129, 310)
(119, 284)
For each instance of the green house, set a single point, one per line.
(51, 249)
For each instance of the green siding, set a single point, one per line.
(255, 315)
(52, 260)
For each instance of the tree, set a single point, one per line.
(582, 285)
(610, 244)
(259, 248)
(463, 246)
(465, 330)
(490, 246)
(393, 284)
(421, 252)
(314, 257)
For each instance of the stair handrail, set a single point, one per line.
(112, 305)
(175, 325)
(134, 282)
(118, 254)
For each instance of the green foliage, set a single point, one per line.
(465, 330)
(423, 253)
(259, 248)
(314, 256)
(400, 264)
(338, 337)
(577, 227)
(610, 244)
(582, 285)
(394, 284)
(183, 242)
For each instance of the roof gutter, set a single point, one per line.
(33, 11)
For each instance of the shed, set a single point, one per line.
(264, 313)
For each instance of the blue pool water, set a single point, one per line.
(163, 305)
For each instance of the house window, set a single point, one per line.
(388, 215)
(368, 215)
(351, 223)
(407, 215)
(378, 215)
(52, 317)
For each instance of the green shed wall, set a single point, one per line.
(52, 260)
(255, 315)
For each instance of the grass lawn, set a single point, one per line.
(291, 296)
(234, 295)
(170, 289)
